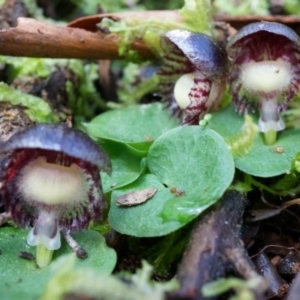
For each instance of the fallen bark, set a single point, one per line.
(215, 249)
(82, 38)
(240, 21)
(32, 38)
(277, 286)
(90, 22)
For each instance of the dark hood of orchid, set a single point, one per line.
(51, 180)
(193, 73)
(202, 51)
(59, 138)
(247, 33)
(265, 70)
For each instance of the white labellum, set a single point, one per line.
(52, 184)
(266, 76)
(182, 89)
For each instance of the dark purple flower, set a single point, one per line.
(193, 75)
(264, 72)
(51, 181)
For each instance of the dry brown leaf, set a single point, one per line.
(136, 197)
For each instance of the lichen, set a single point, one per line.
(196, 16)
(37, 109)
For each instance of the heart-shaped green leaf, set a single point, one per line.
(137, 125)
(194, 160)
(21, 279)
(261, 160)
(142, 220)
(191, 168)
(126, 167)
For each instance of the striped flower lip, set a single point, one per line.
(265, 71)
(51, 181)
(193, 74)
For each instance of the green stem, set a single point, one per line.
(43, 256)
(270, 137)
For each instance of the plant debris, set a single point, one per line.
(136, 197)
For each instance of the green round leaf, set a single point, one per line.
(191, 168)
(137, 125)
(139, 149)
(194, 160)
(142, 220)
(261, 160)
(21, 279)
(126, 167)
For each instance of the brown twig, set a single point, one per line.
(90, 22)
(239, 21)
(32, 38)
(215, 248)
(82, 39)
(277, 286)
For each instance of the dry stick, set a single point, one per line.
(257, 18)
(277, 286)
(215, 247)
(32, 38)
(90, 22)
